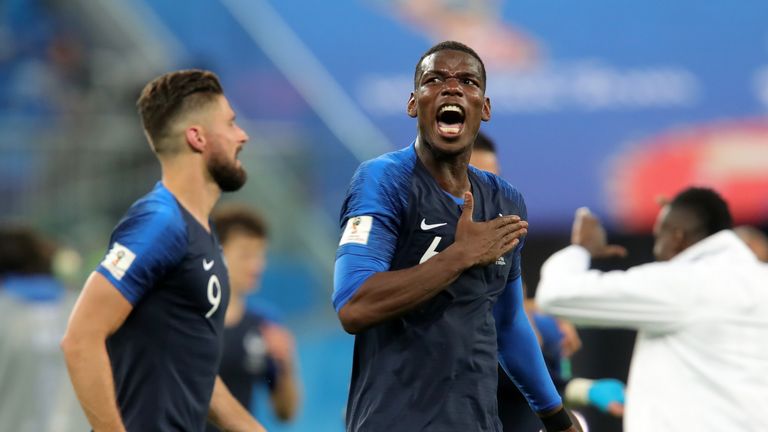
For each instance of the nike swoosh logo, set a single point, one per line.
(426, 227)
(207, 265)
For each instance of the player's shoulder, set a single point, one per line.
(262, 310)
(389, 167)
(159, 203)
(251, 321)
(381, 181)
(158, 211)
(496, 183)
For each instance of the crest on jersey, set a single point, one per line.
(357, 230)
(118, 260)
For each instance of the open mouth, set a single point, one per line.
(450, 120)
(237, 155)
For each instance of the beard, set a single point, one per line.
(226, 174)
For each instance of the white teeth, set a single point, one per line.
(449, 130)
(454, 108)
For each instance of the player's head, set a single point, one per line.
(243, 236)
(186, 111)
(484, 154)
(24, 251)
(693, 215)
(447, 45)
(448, 98)
(755, 239)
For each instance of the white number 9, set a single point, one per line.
(214, 294)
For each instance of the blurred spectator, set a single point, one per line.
(257, 350)
(755, 239)
(559, 341)
(700, 357)
(44, 81)
(35, 395)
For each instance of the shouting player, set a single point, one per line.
(428, 271)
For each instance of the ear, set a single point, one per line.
(195, 138)
(411, 107)
(486, 112)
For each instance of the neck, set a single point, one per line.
(235, 310)
(450, 171)
(193, 188)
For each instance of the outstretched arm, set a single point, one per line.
(647, 297)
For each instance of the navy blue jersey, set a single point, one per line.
(433, 368)
(246, 362)
(165, 356)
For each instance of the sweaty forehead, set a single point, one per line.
(451, 61)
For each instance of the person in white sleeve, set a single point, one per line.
(701, 357)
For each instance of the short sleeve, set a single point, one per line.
(146, 243)
(371, 213)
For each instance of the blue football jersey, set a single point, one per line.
(166, 355)
(246, 362)
(435, 367)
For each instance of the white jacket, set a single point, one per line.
(701, 357)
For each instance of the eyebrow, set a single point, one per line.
(458, 75)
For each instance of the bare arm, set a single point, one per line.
(386, 295)
(98, 313)
(227, 414)
(285, 397)
(286, 394)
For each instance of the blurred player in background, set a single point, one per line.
(429, 255)
(559, 341)
(144, 340)
(755, 239)
(700, 358)
(257, 351)
(35, 394)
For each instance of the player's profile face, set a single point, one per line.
(449, 100)
(246, 258)
(226, 140)
(664, 246)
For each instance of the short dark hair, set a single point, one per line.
(448, 45)
(171, 94)
(484, 143)
(240, 219)
(707, 206)
(25, 251)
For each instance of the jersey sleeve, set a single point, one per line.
(519, 352)
(370, 222)
(146, 243)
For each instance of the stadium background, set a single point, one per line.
(598, 103)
